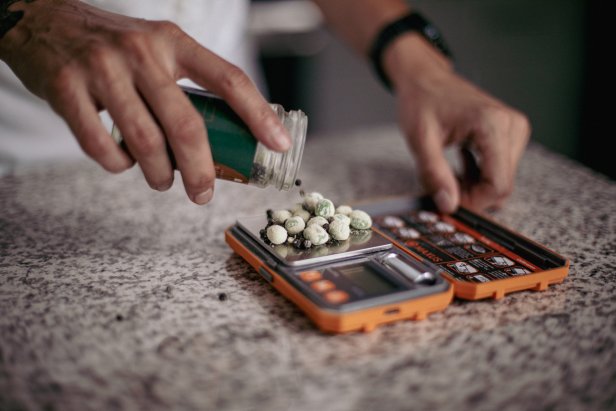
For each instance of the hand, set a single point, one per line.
(438, 108)
(82, 60)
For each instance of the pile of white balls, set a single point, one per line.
(313, 222)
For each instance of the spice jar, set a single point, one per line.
(238, 155)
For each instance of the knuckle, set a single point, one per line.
(266, 116)
(100, 56)
(418, 131)
(102, 62)
(503, 189)
(135, 42)
(94, 146)
(145, 140)
(169, 28)
(234, 78)
(61, 88)
(522, 126)
(63, 77)
(184, 130)
(495, 118)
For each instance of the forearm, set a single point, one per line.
(357, 22)
(436, 107)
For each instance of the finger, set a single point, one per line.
(236, 88)
(76, 106)
(142, 135)
(435, 171)
(185, 131)
(494, 152)
(519, 134)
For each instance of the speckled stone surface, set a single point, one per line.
(112, 297)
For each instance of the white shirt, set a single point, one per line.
(31, 133)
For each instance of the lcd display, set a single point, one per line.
(366, 278)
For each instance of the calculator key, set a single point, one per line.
(336, 297)
(310, 276)
(322, 286)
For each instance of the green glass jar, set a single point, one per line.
(237, 155)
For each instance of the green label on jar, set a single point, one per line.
(233, 146)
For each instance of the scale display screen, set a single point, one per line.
(366, 278)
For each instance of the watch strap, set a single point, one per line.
(412, 22)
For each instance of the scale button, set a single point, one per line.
(310, 276)
(336, 297)
(322, 286)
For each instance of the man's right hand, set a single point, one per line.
(82, 60)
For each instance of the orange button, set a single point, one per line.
(310, 276)
(322, 286)
(336, 297)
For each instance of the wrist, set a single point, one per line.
(411, 57)
(11, 16)
(409, 35)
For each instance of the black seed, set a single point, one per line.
(263, 232)
(269, 213)
(297, 243)
(298, 182)
(222, 296)
(119, 317)
(258, 174)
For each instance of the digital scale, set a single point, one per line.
(408, 266)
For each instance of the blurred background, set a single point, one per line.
(544, 58)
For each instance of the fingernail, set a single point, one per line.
(281, 140)
(444, 202)
(205, 197)
(165, 186)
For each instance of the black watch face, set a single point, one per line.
(431, 32)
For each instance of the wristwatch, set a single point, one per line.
(412, 22)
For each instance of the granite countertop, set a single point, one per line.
(110, 299)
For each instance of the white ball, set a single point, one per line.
(305, 215)
(280, 216)
(360, 220)
(316, 234)
(320, 221)
(344, 218)
(344, 209)
(325, 208)
(339, 230)
(294, 225)
(311, 200)
(276, 234)
(297, 207)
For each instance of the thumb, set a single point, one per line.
(435, 172)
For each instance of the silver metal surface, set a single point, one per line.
(362, 242)
(416, 274)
